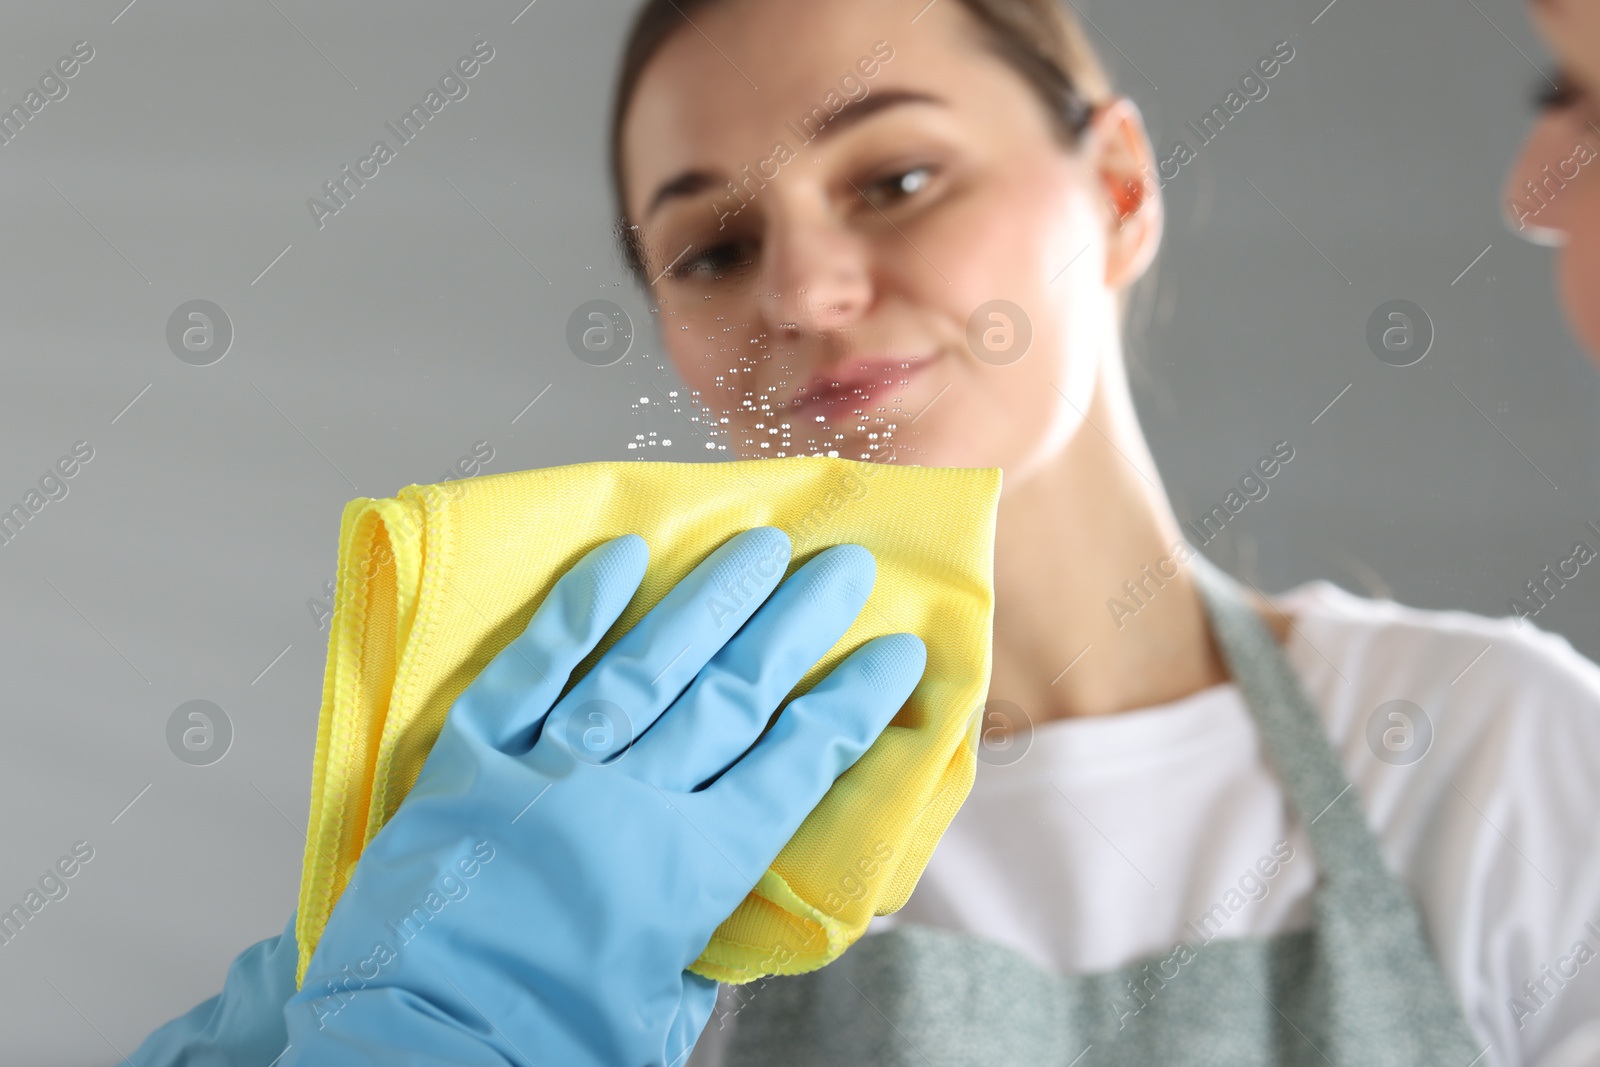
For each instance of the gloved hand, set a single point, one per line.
(242, 1026)
(541, 890)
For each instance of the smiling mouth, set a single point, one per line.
(856, 386)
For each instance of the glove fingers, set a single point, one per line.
(508, 699)
(730, 702)
(643, 673)
(763, 798)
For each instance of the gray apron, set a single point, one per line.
(1360, 986)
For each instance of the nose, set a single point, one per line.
(1532, 200)
(815, 273)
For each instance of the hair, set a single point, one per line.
(1040, 39)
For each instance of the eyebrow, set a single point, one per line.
(692, 182)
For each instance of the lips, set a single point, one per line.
(860, 383)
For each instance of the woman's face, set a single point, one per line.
(1553, 191)
(891, 180)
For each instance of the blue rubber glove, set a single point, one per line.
(242, 1026)
(561, 860)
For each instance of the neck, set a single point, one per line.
(1069, 535)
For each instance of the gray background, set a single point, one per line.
(428, 313)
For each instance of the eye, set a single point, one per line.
(704, 264)
(892, 188)
(1556, 94)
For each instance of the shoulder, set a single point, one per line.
(1474, 745)
(1426, 705)
(1473, 669)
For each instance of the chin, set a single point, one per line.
(1578, 283)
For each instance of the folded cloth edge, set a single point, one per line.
(382, 547)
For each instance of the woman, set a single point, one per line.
(1314, 828)
(988, 160)
(1553, 192)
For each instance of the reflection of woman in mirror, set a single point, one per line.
(818, 296)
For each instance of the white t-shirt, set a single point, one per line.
(1114, 837)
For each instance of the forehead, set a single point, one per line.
(722, 88)
(1570, 29)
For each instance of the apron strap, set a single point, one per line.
(1373, 951)
(1293, 731)
(1358, 987)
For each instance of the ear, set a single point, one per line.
(1119, 152)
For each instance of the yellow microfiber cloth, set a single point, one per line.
(433, 583)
